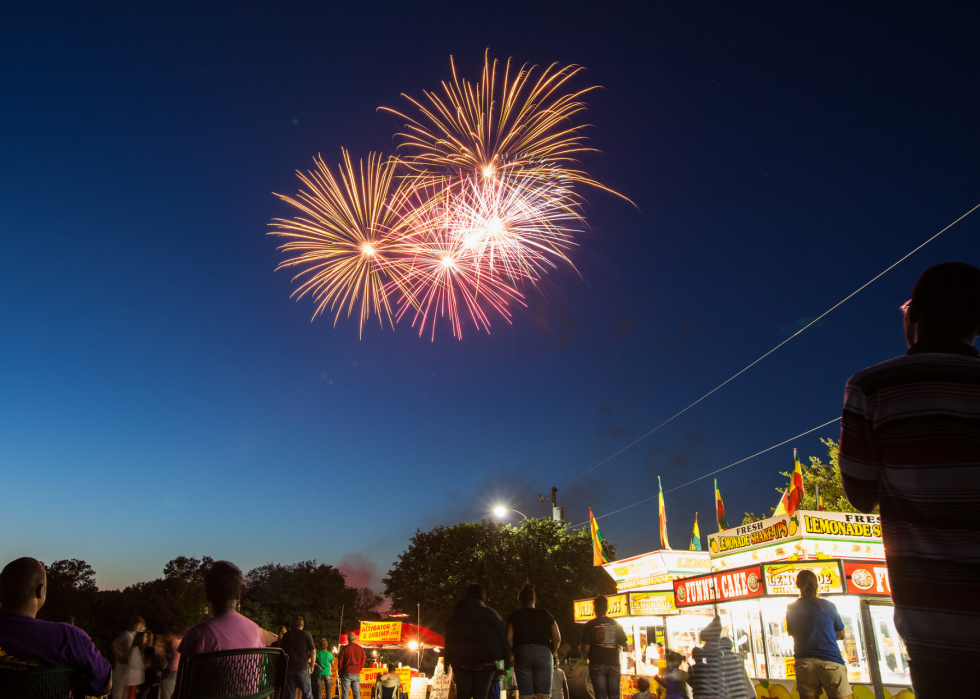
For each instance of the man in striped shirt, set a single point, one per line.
(910, 442)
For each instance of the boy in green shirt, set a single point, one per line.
(321, 671)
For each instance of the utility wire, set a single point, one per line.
(822, 315)
(708, 475)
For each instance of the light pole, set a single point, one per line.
(501, 511)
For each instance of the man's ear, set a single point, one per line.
(39, 591)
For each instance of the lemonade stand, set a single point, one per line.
(748, 577)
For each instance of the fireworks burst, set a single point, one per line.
(479, 206)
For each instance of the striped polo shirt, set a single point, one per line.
(911, 429)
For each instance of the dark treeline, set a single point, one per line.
(273, 595)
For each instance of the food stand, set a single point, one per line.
(393, 635)
(752, 578)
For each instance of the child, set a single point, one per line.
(643, 689)
(559, 685)
(675, 678)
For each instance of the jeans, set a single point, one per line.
(605, 681)
(534, 667)
(318, 683)
(167, 685)
(299, 679)
(350, 681)
(472, 685)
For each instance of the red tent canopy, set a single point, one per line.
(410, 632)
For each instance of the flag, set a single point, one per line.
(598, 553)
(695, 536)
(720, 509)
(664, 544)
(793, 495)
(818, 500)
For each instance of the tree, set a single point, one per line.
(439, 564)
(71, 591)
(276, 593)
(827, 476)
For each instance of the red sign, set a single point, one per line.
(867, 578)
(740, 583)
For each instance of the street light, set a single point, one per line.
(501, 511)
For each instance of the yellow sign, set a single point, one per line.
(841, 526)
(584, 610)
(380, 632)
(652, 603)
(781, 577)
(618, 607)
(369, 675)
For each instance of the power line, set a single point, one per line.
(821, 316)
(708, 475)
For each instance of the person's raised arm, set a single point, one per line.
(859, 459)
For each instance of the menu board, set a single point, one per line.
(867, 578)
(780, 578)
(419, 687)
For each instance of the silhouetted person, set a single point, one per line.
(226, 629)
(28, 642)
(602, 638)
(475, 639)
(534, 639)
(298, 645)
(910, 442)
(350, 662)
(120, 655)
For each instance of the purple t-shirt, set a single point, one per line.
(27, 643)
(228, 631)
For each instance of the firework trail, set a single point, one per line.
(479, 205)
(348, 244)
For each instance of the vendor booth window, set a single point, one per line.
(893, 659)
(742, 622)
(684, 629)
(650, 649)
(779, 644)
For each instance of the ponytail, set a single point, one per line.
(806, 581)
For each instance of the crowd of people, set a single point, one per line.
(910, 444)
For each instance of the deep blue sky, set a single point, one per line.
(160, 394)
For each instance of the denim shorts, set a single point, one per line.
(534, 667)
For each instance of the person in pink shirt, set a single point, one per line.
(226, 629)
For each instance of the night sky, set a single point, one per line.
(162, 395)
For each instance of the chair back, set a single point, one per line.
(249, 673)
(45, 683)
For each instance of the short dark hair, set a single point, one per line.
(674, 659)
(948, 297)
(643, 684)
(476, 590)
(223, 582)
(297, 620)
(19, 581)
(601, 606)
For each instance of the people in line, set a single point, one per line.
(674, 679)
(120, 655)
(602, 638)
(350, 662)
(226, 629)
(388, 683)
(136, 665)
(168, 683)
(733, 668)
(322, 669)
(28, 642)
(278, 642)
(559, 683)
(475, 639)
(534, 639)
(643, 689)
(696, 672)
(816, 626)
(301, 651)
(910, 444)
